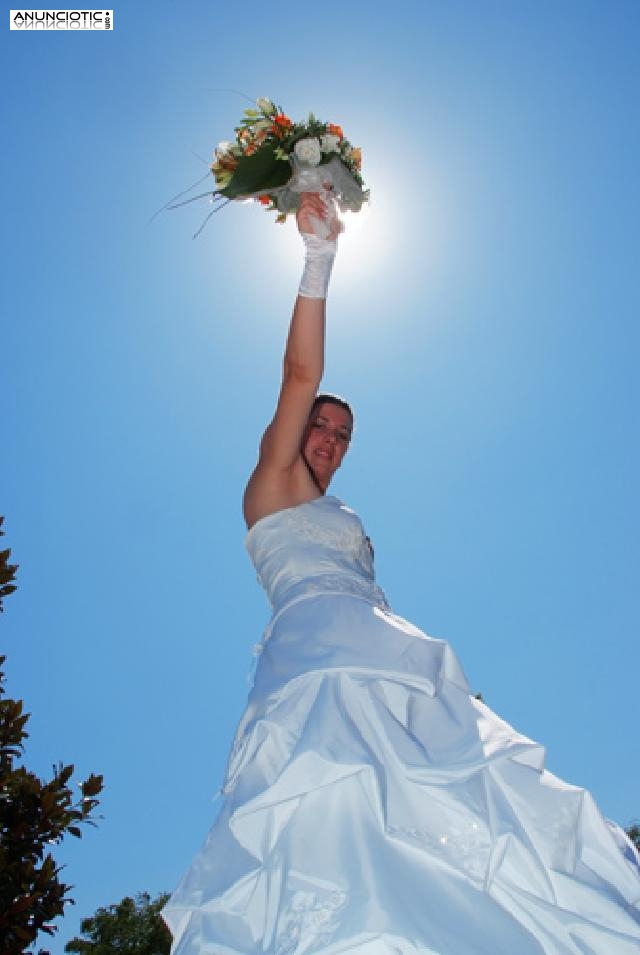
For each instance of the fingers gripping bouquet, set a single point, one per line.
(274, 160)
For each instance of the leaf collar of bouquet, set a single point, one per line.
(273, 160)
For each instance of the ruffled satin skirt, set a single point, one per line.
(373, 806)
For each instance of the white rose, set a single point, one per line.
(308, 151)
(265, 106)
(224, 147)
(330, 143)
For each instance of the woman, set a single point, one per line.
(373, 806)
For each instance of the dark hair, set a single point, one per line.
(329, 399)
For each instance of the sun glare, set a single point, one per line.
(370, 241)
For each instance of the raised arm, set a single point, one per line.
(281, 478)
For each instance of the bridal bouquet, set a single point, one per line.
(273, 160)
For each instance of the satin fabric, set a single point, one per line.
(373, 806)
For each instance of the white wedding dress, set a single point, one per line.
(373, 806)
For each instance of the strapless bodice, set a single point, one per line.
(316, 547)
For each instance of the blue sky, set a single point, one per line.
(483, 320)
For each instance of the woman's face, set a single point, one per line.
(326, 441)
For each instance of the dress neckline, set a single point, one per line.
(294, 507)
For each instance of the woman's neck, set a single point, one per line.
(313, 477)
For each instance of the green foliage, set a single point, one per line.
(132, 927)
(34, 815)
(262, 171)
(7, 571)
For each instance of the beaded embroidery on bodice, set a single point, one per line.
(316, 547)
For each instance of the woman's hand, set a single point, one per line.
(314, 206)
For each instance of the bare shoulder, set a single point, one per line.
(271, 489)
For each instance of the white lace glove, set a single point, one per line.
(318, 263)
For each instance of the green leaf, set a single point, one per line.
(258, 173)
(63, 774)
(92, 786)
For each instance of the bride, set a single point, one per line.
(371, 804)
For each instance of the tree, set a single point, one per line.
(132, 927)
(34, 815)
(7, 571)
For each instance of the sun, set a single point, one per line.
(371, 238)
(361, 245)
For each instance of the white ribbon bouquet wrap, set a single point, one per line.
(331, 179)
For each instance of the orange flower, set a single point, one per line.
(225, 161)
(250, 149)
(280, 124)
(356, 157)
(335, 130)
(265, 200)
